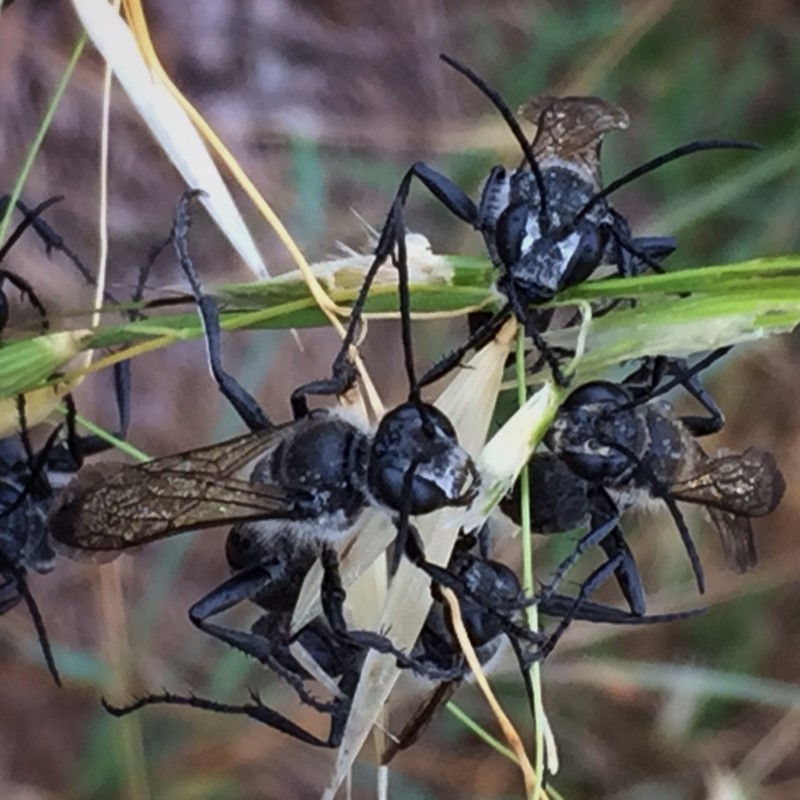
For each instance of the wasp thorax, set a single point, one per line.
(416, 461)
(491, 580)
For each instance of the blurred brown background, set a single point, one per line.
(325, 104)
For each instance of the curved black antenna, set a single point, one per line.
(662, 493)
(659, 161)
(515, 128)
(38, 624)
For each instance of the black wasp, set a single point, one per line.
(269, 568)
(489, 600)
(28, 483)
(547, 224)
(313, 477)
(617, 446)
(25, 494)
(29, 480)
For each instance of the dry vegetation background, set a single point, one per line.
(325, 103)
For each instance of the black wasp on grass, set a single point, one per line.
(492, 585)
(617, 446)
(547, 224)
(28, 479)
(28, 484)
(310, 481)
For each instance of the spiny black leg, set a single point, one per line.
(36, 473)
(333, 597)
(392, 235)
(38, 624)
(477, 339)
(147, 268)
(244, 586)
(688, 376)
(529, 321)
(405, 530)
(31, 219)
(688, 543)
(641, 255)
(647, 382)
(27, 290)
(626, 573)
(595, 579)
(558, 605)
(442, 576)
(79, 447)
(524, 659)
(343, 378)
(593, 537)
(657, 247)
(73, 438)
(24, 434)
(51, 239)
(243, 402)
(684, 377)
(256, 710)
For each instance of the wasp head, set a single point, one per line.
(595, 432)
(417, 463)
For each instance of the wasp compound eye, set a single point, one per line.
(511, 228)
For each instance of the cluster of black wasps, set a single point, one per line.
(547, 225)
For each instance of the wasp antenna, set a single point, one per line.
(659, 161)
(38, 624)
(515, 128)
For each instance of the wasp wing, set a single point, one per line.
(115, 506)
(738, 543)
(747, 484)
(420, 720)
(735, 487)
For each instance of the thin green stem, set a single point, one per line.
(119, 444)
(480, 732)
(528, 583)
(41, 132)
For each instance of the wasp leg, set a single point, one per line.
(333, 596)
(27, 290)
(595, 579)
(241, 587)
(256, 710)
(594, 536)
(626, 573)
(393, 237)
(649, 381)
(479, 338)
(557, 605)
(242, 401)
